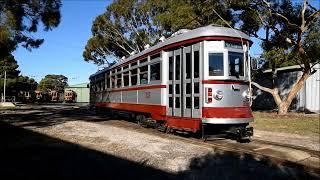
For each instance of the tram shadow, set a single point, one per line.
(31, 155)
(230, 165)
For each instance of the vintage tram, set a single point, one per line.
(195, 81)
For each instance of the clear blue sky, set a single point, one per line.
(62, 50)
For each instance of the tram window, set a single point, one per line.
(188, 88)
(170, 102)
(126, 67)
(178, 67)
(144, 75)
(170, 67)
(155, 72)
(134, 77)
(108, 82)
(134, 64)
(170, 89)
(235, 64)
(113, 81)
(216, 64)
(188, 65)
(143, 60)
(126, 79)
(153, 57)
(119, 70)
(196, 87)
(188, 102)
(196, 102)
(177, 102)
(196, 64)
(119, 81)
(177, 88)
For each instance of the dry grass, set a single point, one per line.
(297, 123)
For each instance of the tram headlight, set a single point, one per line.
(218, 95)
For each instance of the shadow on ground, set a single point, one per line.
(31, 155)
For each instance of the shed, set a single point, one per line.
(82, 90)
(307, 99)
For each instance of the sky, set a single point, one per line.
(61, 52)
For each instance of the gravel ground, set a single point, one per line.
(154, 151)
(312, 143)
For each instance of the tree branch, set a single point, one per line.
(263, 88)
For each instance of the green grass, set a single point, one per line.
(296, 123)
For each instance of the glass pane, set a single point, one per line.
(196, 64)
(134, 80)
(196, 87)
(196, 102)
(178, 67)
(188, 102)
(126, 80)
(216, 64)
(235, 64)
(133, 72)
(155, 72)
(170, 102)
(126, 67)
(153, 57)
(134, 64)
(177, 101)
(143, 61)
(170, 67)
(108, 82)
(143, 69)
(170, 89)
(188, 88)
(144, 78)
(188, 65)
(177, 88)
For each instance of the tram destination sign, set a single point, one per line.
(235, 45)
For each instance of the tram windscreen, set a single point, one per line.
(235, 64)
(215, 64)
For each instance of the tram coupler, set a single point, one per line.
(243, 133)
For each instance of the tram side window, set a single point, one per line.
(178, 67)
(196, 64)
(170, 67)
(235, 64)
(119, 80)
(113, 81)
(188, 65)
(134, 77)
(126, 79)
(108, 81)
(155, 72)
(144, 75)
(216, 64)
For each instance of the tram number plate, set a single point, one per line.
(147, 94)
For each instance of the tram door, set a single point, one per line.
(184, 82)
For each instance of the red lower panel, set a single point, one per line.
(157, 112)
(226, 112)
(187, 124)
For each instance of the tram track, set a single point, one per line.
(228, 145)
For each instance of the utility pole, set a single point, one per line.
(4, 86)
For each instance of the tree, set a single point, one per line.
(15, 82)
(53, 82)
(291, 37)
(128, 26)
(20, 18)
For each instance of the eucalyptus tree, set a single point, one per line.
(291, 37)
(19, 19)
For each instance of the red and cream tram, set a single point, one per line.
(196, 81)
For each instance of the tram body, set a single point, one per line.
(194, 81)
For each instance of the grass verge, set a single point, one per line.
(296, 123)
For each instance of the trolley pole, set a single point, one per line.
(4, 86)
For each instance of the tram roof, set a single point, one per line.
(205, 31)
